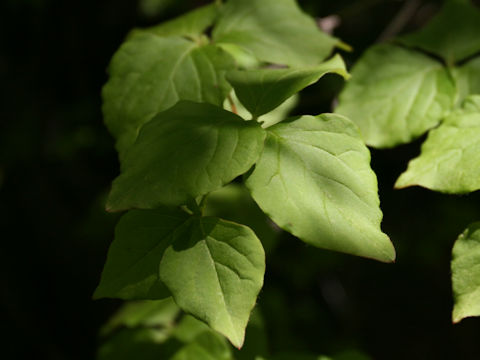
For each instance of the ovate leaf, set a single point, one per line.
(131, 270)
(215, 273)
(192, 24)
(395, 95)
(314, 180)
(275, 31)
(261, 91)
(450, 157)
(150, 73)
(466, 274)
(467, 78)
(185, 152)
(438, 36)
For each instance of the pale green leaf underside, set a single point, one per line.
(314, 180)
(454, 33)
(192, 24)
(467, 78)
(450, 157)
(466, 274)
(261, 91)
(273, 117)
(185, 152)
(275, 31)
(215, 271)
(150, 73)
(131, 269)
(395, 95)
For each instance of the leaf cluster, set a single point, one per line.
(179, 147)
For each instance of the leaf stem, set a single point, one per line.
(194, 207)
(232, 104)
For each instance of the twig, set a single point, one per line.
(400, 20)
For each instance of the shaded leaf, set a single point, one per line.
(207, 346)
(131, 269)
(314, 180)
(450, 157)
(192, 24)
(395, 95)
(146, 313)
(467, 78)
(466, 274)
(139, 343)
(275, 31)
(150, 73)
(215, 273)
(454, 33)
(234, 203)
(261, 91)
(185, 152)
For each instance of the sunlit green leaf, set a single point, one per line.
(131, 270)
(454, 33)
(261, 91)
(275, 31)
(150, 73)
(395, 95)
(185, 152)
(466, 274)
(450, 157)
(314, 180)
(215, 272)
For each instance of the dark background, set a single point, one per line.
(57, 161)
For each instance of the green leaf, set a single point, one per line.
(131, 270)
(146, 313)
(314, 180)
(467, 78)
(395, 95)
(450, 157)
(438, 36)
(192, 24)
(149, 74)
(466, 274)
(215, 273)
(185, 152)
(261, 91)
(275, 31)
